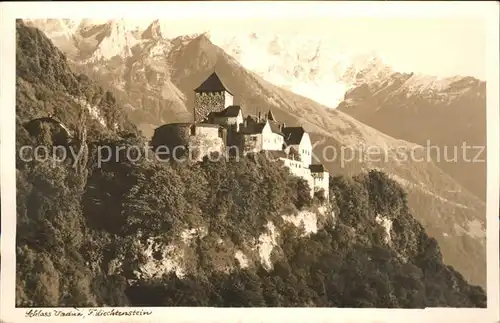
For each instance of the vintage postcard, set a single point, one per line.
(249, 162)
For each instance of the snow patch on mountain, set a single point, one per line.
(110, 40)
(304, 64)
(94, 111)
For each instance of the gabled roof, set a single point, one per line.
(317, 168)
(256, 128)
(206, 125)
(275, 127)
(212, 84)
(293, 135)
(252, 128)
(251, 119)
(229, 112)
(270, 116)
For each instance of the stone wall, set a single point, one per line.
(251, 143)
(272, 141)
(228, 99)
(180, 140)
(322, 181)
(204, 103)
(171, 135)
(234, 142)
(229, 121)
(203, 145)
(207, 131)
(296, 168)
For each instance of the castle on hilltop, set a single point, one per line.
(219, 124)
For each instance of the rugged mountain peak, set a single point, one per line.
(441, 89)
(153, 31)
(198, 51)
(366, 68)
(202, 41)
(117, 40)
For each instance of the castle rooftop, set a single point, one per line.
(293, 135)
(188, 124)
(257, 127)
(229, 112)
(212, 84)
(317, 168)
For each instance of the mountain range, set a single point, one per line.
(153, 77)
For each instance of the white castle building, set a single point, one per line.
(218, 123)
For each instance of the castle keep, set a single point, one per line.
(219, 124)
(211, 96)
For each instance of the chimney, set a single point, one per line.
(283, 125)
(245, 122)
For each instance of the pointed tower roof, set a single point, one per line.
(270, 116)
(212, 84)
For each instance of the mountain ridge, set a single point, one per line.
(449, 119)
(348, 69)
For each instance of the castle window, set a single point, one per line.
(193, 130)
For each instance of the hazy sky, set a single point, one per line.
(429, 46)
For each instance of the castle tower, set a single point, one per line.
(211, 96)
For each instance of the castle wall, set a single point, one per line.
(295, 167)
(229, 121)
(228, 99)
(202, 145)
(322, 181)
(251, 143)
(206, 102)
(207, 131)
(305, 150)
(180, 140)
(271, 140)
(171, 135)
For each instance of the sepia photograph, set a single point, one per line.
(239, 161)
